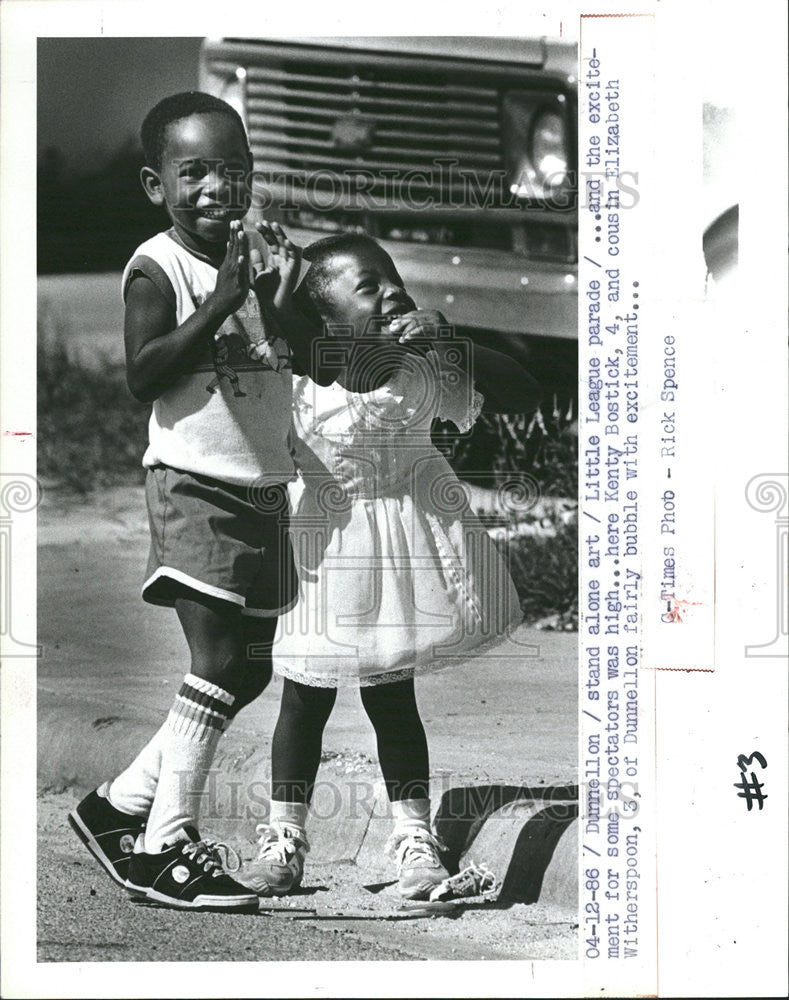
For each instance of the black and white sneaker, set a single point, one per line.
(189, 875)
(108, 833)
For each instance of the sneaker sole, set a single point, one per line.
(220, 903)
(421, 894)
(262, 888)
(418, 891)
(92, 845)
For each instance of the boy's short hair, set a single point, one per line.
(153, 133)
(320, 255)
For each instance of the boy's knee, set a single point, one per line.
(257, 655)
(223, 667)
(253, 683)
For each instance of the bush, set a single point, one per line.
(544, 445)
(544, 569)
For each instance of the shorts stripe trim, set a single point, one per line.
(266, 613)
(194, 583)
(211, 591)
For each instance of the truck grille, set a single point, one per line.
(416, 118)
(292, 113)
(424, 136)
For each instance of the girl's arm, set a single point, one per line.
(506, 386)
(158, 352)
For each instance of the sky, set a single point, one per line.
(93, 93)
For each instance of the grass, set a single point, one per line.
(91, 431)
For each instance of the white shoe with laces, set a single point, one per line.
(474, 880)
(419, 869)
(279, 865)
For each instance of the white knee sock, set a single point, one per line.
(190, 735)
(133, 790)
(410, 815)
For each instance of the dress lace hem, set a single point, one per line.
(311, 680)
(404, 673)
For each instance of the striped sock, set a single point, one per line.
(133, 790)
(190, 735)
(200, 709)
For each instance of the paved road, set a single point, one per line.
(82, 917)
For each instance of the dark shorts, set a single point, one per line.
(224, 541)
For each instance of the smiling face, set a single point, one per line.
(202, 180)
(364, 290)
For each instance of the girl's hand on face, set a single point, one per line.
(232, 279)
(419, 324)
(276, 282)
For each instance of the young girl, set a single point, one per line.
(397, 576)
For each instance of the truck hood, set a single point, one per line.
(531, 51)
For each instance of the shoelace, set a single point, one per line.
(422, 846)
(472, 881)
(278, 843)
(216, 857)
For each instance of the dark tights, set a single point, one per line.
(298, 737)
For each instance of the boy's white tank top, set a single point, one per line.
(228, 417)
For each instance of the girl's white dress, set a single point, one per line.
(396, 573)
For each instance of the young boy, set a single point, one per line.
(220, 382)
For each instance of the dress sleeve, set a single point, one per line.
(459, 400)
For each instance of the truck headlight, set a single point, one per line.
(536, 146)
